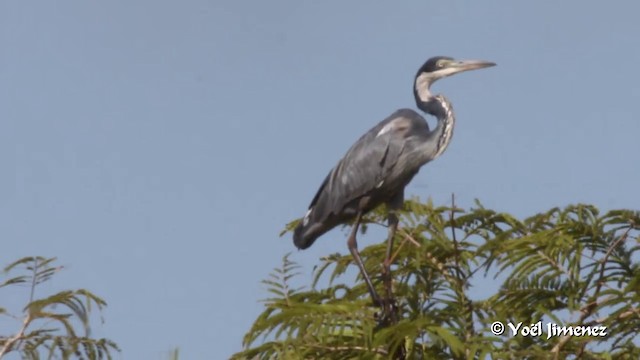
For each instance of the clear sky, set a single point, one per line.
(158, 147)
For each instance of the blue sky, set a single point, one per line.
(158, 147)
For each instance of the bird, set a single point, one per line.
(379, 165)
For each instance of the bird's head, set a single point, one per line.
(442, 66)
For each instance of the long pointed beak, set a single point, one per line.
(465, 65)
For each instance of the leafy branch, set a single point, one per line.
(48, 325)
(572, 266)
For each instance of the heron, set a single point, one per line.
(378, 167)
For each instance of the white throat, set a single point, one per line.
(423, 83)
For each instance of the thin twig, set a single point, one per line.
(606, 257)
(34, 280)
(406, 238)
(620, 316)
(19, 336)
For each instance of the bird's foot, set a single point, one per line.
(388, 313)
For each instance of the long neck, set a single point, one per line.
(439, 106)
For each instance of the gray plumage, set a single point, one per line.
(374, 170)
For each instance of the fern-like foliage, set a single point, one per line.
(571, 266)
(56, 326)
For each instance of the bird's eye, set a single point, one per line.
(440, 64)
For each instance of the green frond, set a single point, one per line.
(37, 267)
(69, 347)
(289, 227)
(174, 354)
(15, 280)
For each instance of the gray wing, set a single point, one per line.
(363, 169)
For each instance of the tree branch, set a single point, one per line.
(588, 309)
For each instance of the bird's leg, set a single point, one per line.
(353, 248)
(392, 220)
(389, 304)
(390, 308)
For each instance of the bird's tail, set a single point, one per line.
(305, 235)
